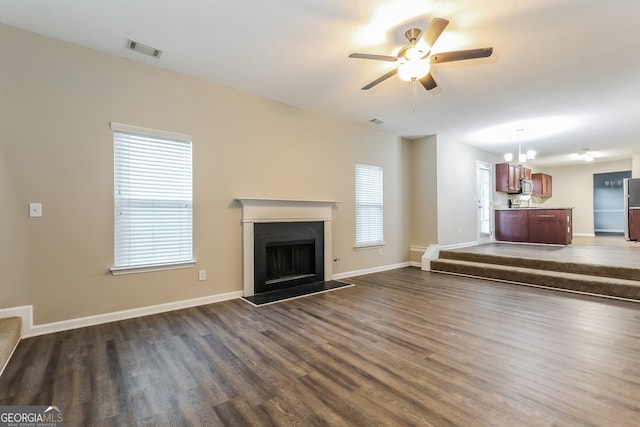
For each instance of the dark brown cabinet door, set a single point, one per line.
(542, 185)
(511, 226)
(551, 226)
(507, 178)
(634, 224)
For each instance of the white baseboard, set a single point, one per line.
(584, 235)
(415, 264)
(31, 330)
(370, 270)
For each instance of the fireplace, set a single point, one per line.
(292, 254)
(287, 254)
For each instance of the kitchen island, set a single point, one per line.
(534, 225)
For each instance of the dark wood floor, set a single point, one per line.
(403, 347)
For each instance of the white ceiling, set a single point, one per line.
(575, 61)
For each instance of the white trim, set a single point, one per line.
(431, 253)
(369, 246)
(459, 245)
(584, 234)
(81, 322)
(24, 311)
(415, 264)
(370, 270)
(139, 130)
(117, 271)
(417, 248)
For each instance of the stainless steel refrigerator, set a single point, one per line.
(631, 200)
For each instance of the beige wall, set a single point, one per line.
(57, 102)
(573, 187)
(457, 198)
(423, 188)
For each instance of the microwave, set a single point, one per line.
(526, 186)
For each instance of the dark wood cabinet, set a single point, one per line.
(634, 224)
(553, 226)
(542, 185)
(507, 178)
(512, 225)
(550, 226)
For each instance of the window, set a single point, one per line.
(369, 205)
(152, 200)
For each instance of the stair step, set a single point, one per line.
(616, 272)
(606, 286)
(10, 329)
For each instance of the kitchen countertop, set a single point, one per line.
(528, 209)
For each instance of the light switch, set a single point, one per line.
(35, 210)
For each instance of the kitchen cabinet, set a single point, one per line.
(634, 224)
(542, 185)
(512, 225)
(507, 178)
(551, 226)
(535, 225)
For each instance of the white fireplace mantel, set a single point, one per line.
(281, 210)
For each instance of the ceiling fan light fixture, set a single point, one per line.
(413, 53)
(414, 69)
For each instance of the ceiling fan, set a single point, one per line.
(415, 59)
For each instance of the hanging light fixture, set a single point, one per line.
(522, 157)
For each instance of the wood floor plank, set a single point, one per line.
(402, 347)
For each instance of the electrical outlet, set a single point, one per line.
(35, 210)
(202, 274)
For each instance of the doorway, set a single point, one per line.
(608, 203)
(484, 198)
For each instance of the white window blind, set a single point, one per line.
(369, 208)
(152, 199)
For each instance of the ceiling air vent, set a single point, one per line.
(143, 48)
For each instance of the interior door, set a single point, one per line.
(484, 198)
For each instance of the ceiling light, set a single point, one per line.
(413, 53)
(508, 157)
(531, 154)
(587, 157)
(413, 69)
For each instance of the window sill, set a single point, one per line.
(117, 271)
(370, 246)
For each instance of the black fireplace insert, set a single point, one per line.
(287, 254)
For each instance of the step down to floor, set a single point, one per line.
(10, 329)
(545, 273)
(616, 272)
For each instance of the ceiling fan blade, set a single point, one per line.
(434, 29)
(380, 79)
(428, 82)
(374, 57)
(459, 55)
